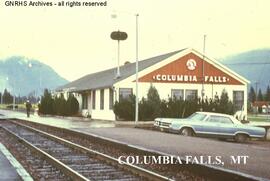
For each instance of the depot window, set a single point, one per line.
(94, 100)
(102, 99)
(177, 94)
(191, 94)
(84, 101)
(238, 99)
(124, 93)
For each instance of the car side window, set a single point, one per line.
(225, 120)
(219, 119)
(211, 119)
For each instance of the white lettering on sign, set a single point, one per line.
(190, 78)
(215, 79)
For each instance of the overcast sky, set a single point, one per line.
(76, 41)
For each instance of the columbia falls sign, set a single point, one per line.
(189, 78)
(189, 69)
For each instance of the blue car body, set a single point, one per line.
(211, 125)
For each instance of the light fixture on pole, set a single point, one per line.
(30, 65)
(13, 90)
(137, 64)
(2, 95)
(119, 36)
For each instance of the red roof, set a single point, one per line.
(260, 103)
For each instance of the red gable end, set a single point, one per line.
(189, 69)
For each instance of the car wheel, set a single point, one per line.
(241, 138)
(187, 132)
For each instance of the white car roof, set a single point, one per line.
(220, 114)
(213, 113)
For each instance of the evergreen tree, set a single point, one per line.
(251, 95)
(145, 111)
(225, 105)
(56, 107)
(46, 105)
(154, 101)
(267, 95)
(62, 106)
(125, 108)
(72, 105)
(260, 96)
(7, 97)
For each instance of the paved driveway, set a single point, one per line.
(258, 162)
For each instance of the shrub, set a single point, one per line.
(58, 105)
(153, 107)
(145, 110)
(175, 107)
(46, 105)
(153, 103)
(125, 108)
(72, 105)
(224, 105)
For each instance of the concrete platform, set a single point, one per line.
(10, 168)
(8, 172)
(258, 161)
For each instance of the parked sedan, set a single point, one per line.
(214, 125)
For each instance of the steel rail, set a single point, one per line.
(65, 169)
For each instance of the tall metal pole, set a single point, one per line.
(40, 80)
(137, 94)
(256, 89)
(204, 39)
(14, 101)
(118, 59)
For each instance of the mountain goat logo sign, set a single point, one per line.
(191, 64)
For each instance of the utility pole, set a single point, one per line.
(137, 69)
(203, 91)
(256, 89)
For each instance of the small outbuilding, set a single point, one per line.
(261, 107)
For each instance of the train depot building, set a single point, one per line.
(184, 74)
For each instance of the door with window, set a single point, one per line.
(211, 126)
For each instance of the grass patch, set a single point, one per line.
(259, 118)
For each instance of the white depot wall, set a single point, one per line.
(89, 103)
(106, 113)
(164, 89)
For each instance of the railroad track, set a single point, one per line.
(59, 159)
(116, 149)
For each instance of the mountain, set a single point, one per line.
(253, 65)
(27, 76)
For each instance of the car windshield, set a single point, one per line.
(197, 116)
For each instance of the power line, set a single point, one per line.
(257, 63)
